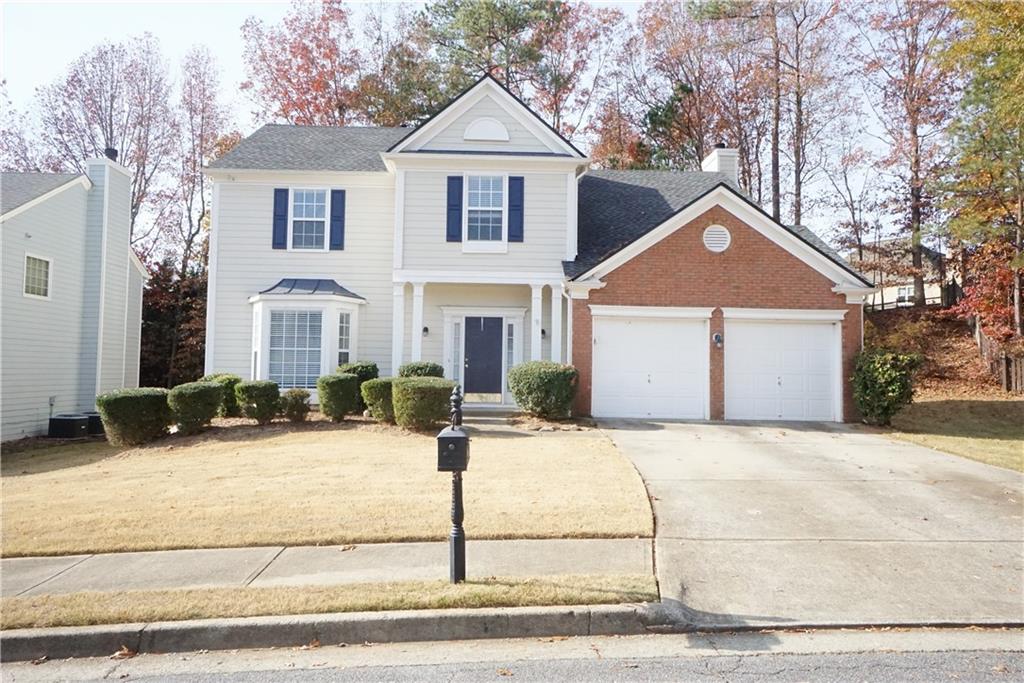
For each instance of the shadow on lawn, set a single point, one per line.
(978, 419)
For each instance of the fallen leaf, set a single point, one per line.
(311, 645)
(124, 653)
(504, 672)
(345, 548)
(40, 660)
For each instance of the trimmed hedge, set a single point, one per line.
(883, 382)
(229, 403)
(544, 388)
(421, 402)
(134, 416)
(338, 395)
(365, 370)
(376, 394)
(295, 404)
(421, 369)
(195, 404)
(258, 400)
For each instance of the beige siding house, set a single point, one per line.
(72, 294)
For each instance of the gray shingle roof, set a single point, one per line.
(310, 286)
(312, 148)
(616, 208)
(19, 188)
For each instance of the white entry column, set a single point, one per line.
(556, 323)
(397, 326)
(417, 321)
(536, 320)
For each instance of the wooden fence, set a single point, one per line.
(1007, 369)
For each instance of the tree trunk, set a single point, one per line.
(1018, 247)
(776, 111)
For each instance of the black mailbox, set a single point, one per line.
(452, 450)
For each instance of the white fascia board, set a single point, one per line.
(674, 312)
(517, 110)
(784, 314)
(854, 295)
(139, 265)
(110, 164)
(477, 278)
(82, 180)
(721, 196)
(291, 176)
(581, 290)
(506, 162)
(304, 298)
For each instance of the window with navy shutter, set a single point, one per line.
(337, 219)
(454, 231)
(515, 209)
(280, 238)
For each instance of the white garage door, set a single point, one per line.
(781, 370)
(650, 368)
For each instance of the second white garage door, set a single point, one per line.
(650, 367)
(781, 370)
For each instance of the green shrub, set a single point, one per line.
(134, 416)
(258, 400)
(229, 403)
(365, 370)
(544, 388)
(377, 397)
(194, 404)
(883, 383)
(338, 395)
(421, 369)
(295, 404)
(421, 402)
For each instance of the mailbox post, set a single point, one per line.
(453, 456)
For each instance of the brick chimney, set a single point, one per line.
(723, 160)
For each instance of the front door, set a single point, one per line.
(482, 365)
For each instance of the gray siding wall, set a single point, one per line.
(41, 349)
(93, 256)
(133, 333)
(246, 264)
(451, 137)
(544, 226)
(115, 282)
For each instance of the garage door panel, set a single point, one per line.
(649, 368)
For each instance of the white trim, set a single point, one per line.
(307, 298)
(486, 129)
(571, 218)
(568, 328)
(484, 88)
(536, 321)
(484, 246)
(139, 265)
(477, 277)
(837, 390)
(784, 314)
(581, 290)
(525, 162)
(678, 312)
(416, 334)
(327, 218)
(49, 276)
(720, 196)
(556, 324)
(399, 219)
(124, 330)
(109, 163)
(854, 295)
(103, 277)
(82, 180)
(211, 281)
(510, 315)
(397, 326)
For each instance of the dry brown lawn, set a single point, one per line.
(81, 609)
(313, 484)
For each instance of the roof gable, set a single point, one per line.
(19, 189)
(446, 131)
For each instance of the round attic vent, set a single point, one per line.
(716, 238)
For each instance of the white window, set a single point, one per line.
(510, 345)
(485, 203)
(904, 294)
(344, 338)
(294, 350)
(37, 277)
(309, 219)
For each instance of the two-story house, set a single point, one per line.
(72, 293)
(483, 238)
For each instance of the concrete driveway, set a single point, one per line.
(798, 524)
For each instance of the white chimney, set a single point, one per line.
(723, 160)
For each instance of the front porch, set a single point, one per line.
(477, 330)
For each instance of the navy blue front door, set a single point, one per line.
(483, 356)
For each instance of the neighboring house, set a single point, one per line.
(888, 264)
(72, 293)
(482, 239)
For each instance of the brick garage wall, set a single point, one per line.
(679, 271)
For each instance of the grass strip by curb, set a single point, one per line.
(92, 608)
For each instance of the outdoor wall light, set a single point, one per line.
(543, 333)
(717, 339)
(426, 331)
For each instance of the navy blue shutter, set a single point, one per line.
(337, 219)
(454, 233)
(281, 218)
(515, 209)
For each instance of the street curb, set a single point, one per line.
(332, 629)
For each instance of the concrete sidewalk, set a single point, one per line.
(317, 565)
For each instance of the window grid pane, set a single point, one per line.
(486, 204)
(344, 336)
(457, 341)
(509, 345)
(295, 348)
(37, 276)
(309, 222)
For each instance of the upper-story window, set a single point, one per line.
(309, 219)
(37, 277)
(486, 208)
(344, 338)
